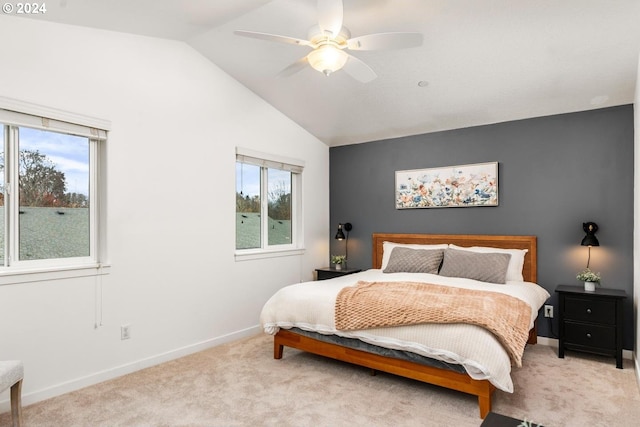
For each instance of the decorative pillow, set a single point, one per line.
(514, 272)
(407, 260)
(485, 267)
(387, 248)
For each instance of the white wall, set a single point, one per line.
(176, 120)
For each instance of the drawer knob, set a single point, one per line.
(589, 336)
(588, 311)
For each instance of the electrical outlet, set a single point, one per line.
(125, 332)
(548, 311)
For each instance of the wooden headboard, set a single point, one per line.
(529, 271)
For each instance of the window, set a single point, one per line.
(268, 203)
(49, 192)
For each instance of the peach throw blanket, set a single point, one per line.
(383, 304)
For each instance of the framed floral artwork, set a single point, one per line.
(450, 186)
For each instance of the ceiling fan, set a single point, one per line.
(329, 41)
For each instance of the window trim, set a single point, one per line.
(41, 274)
(296, 167)
(17, 106)
(19, 113)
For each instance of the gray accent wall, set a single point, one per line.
(554, 173)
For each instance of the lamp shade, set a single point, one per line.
(590, 241)
(327, 59)
(590, 238)
(346, 227)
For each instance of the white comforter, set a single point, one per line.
(310, 306)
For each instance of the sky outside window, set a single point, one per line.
(68, 153)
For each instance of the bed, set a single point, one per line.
(466, 358)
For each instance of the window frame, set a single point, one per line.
(296, 167)
(16, 114)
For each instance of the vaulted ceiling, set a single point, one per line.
(481, 62)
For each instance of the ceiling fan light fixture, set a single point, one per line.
(327, 59)
(330, 41)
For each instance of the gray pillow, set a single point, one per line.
(485, 267)
(406, 260)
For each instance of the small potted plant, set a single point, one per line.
(338, 261)
(589, 278)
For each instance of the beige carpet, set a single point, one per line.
(240, 384)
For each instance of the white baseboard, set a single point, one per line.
(553, 342)
(98, 377)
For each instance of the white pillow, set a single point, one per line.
(516, 263)
(387, 247)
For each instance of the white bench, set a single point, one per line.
(11, 375)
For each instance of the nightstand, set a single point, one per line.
(591, 321)
(496, 420)
(330, 273)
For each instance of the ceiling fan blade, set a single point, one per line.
(330, 15)
(273, 38)
(359, 70)
(382, 41)
(294, 68)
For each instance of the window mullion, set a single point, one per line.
(93, 199)
(13, 203)
(264, 207)
(6, 142)
(294, 209)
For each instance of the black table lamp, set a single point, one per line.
(590, 238)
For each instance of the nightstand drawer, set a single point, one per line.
(590, 335)
(590, 310)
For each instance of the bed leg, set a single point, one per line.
(373, 372)
(484, 402)
(277, 349)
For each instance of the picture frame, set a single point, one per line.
(449, 186)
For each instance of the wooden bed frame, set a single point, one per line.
(483, 389)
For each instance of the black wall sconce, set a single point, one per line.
(590, 238)
(341, 236)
